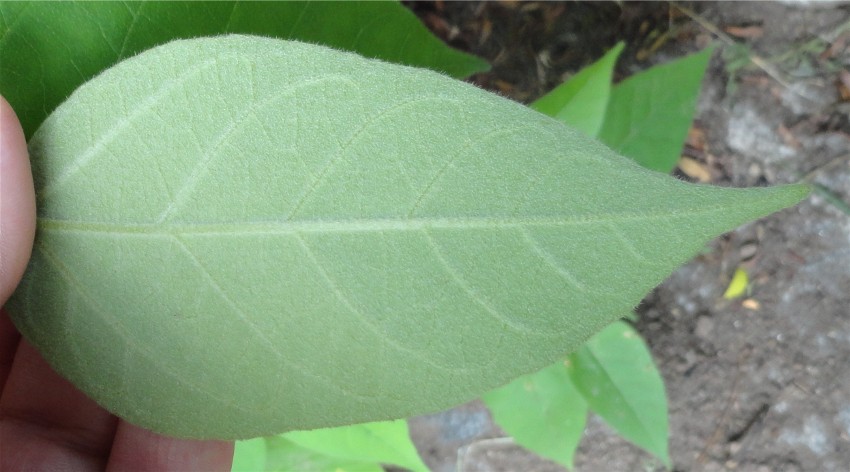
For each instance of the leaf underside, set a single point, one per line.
(241, 236)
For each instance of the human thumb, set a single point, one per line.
(17, 202)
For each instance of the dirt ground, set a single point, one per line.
(757, 384)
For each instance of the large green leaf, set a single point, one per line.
(543, 411)
(582, 101)
(386, 442)
(47, 49)
(649, 113)
(615, 374)
(239, 236)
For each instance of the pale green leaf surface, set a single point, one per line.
(649, 113)
(615, 374)
(241, 236)
(47, 49)
(542, 411)
(386, 442)
(582, 101)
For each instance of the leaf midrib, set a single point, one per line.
(356, 225)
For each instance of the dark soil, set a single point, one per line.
(756, 384)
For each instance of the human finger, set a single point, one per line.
(17, 202)
(9, 338)
(46, 423)
(137, 449)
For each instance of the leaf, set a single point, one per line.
(543, 412)
(738, 284)
(582, 101)
(48, 49)
(279, 454)
(249, 456)
(385, 442)
(831, 197)
(650, 112)
(240, 236)
(615, 374)
(286, 456)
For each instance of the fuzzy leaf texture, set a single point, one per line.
(240, 236)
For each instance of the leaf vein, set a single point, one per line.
(109, 136)
(470, 144)
(14, 22)
(113, 323)
(629, 400)
(629, 245)
(220, 141)
(251, 326)
(470, 292)
(355, 225)
(334, 288)
(565, 274)
(311, 188)
(131, 27)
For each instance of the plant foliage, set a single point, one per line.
(240, 236)
(586, 101)
(48, 49)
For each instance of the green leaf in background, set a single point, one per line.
(582, 101)
(386, 442)
(649, 113)
(48, 49)
(542, 412)
(250, 455)
(240, 236)
(278, 454)
(615, 373)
